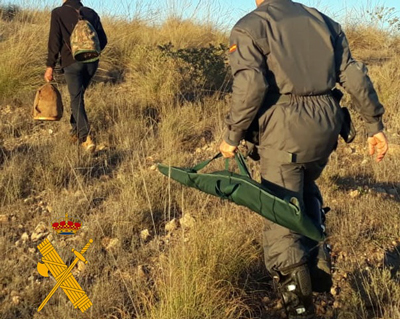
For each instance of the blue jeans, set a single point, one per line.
(78, 76)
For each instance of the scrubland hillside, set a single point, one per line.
(160, 250)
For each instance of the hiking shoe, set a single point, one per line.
(89, 145)
(295, 288)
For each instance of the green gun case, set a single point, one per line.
(243, 190)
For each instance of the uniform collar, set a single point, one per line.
(266, 2)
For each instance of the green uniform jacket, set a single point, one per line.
(286, 48)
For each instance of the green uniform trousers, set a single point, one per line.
(284, 248)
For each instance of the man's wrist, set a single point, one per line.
(374, 128)
(233, 138)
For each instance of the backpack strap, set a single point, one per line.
(78, 11)
(80, 17)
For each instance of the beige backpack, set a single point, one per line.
(48, 105)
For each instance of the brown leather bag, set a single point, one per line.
(48, 104)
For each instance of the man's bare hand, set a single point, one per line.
(48, 75)
(228, 151)
(378, 143)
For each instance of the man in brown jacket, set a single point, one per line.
(77, 74)
(286, 58)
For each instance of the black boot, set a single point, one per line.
(294, 285)
(320, 269)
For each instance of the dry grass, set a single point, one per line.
(148, 105)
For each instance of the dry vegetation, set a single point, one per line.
(162, 251)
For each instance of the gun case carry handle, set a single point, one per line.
(241, 162)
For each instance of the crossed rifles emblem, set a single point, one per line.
(52, 262)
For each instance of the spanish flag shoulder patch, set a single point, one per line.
(233, 48)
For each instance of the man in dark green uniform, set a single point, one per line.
(286, 58)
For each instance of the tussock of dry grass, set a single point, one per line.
(147, 106)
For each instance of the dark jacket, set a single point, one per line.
(63, 21)
(284, 47)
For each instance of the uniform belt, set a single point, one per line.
(276, 98)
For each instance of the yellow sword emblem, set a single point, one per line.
(62, 274)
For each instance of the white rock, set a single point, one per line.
(145, 234)
(354, 194)
(171, 225)
(187, 221)
(41, 228)
(25, 237)
(110, 243)
(16, 300)
(36, 236)
(81, 266)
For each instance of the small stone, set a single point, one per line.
(37, 236)
(81, 266)
(25, 237)
(335, 291)
(32, 250)
(349, 150)
(145, 234)
(41, 228)
(171, 225)
(279, 305)
(101, 147)
(187, 221)
(354, 194)
(18, 243)
(16, 300)
(113, 244)
(28, 201)
(3, 219)
(51, 131)
(153, 167)
(336, 305)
